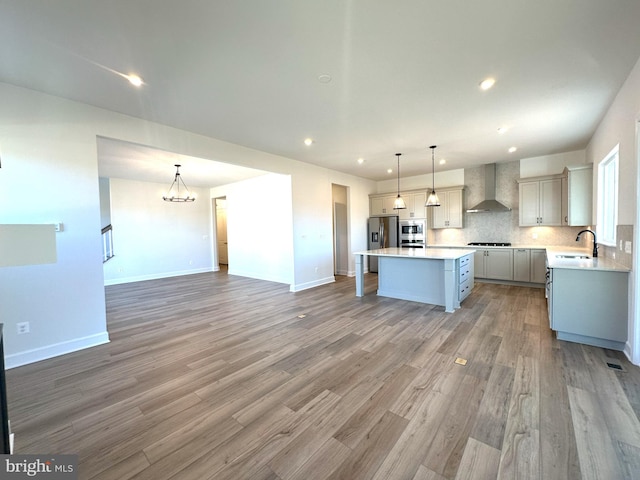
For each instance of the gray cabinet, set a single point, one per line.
(415, 202)
(538, 264)
(577, 195)
(540, 201)
(449, 213)
(382, 205)
(521, 264)
(494, 263)
(529, 265)
(589, 306)
(465, 270)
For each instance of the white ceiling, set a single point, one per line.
(404, 74)
(120, 159)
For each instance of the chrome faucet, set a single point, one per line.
(595, 244)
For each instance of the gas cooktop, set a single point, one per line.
(490, 244)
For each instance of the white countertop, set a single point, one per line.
(430, 253)
(599, 263)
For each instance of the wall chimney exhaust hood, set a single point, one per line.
(489, 204)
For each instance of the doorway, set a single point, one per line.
(221, 230)
(340, 230)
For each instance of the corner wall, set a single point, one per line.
(620, 126)
(50, 174)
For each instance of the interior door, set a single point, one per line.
(340, 237)
(221, 231)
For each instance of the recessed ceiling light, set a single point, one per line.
(308, 141)
(134, 79)
(487, 83)
(389, 170)
(360, 161)
(324, 78)
(512, 149)
(502, 130)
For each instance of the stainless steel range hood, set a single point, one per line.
(489, 204)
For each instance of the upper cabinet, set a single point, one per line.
(449, 213)
(541, 201)
(577, 195)
(557, 200)
(415, 205)
(382, 204)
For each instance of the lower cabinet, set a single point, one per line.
(538, 266)
(465, 277)
(529, 265)
(494, 263)
(589, 306)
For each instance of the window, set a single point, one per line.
(608, 198)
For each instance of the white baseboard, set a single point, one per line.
(257, 276)
(155, 276)
(629, 354)
(50, 351)
(315, 283)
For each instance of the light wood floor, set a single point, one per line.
(212, 376)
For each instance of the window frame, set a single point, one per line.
(607, 201)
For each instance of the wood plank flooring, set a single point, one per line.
(212, 376)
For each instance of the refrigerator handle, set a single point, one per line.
(382, 242)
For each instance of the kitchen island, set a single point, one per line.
(438, 276)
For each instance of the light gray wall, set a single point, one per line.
(259, 227)
(620, 126)
(50, 174)
(153, 238)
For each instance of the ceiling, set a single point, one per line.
(118, 159)
(403, 75)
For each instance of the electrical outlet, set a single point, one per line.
(22, 327)
(627, 247)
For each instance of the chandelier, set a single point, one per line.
(178, 192)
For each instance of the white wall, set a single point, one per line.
(447, 178)
(551, 164)
(619, 126)
(50, 174)
(260, 227)
(153, 238)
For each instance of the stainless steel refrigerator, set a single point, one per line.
(383, 233)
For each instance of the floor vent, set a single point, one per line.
(615, 366)
(460, 361)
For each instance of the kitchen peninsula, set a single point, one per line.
(439, 276)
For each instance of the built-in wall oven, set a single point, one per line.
(413, 233)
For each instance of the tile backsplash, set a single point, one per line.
(503, 226)
(624, 234)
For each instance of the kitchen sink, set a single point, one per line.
(574, 257)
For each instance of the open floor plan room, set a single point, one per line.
(212, 376)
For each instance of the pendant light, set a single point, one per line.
(399, 204)
(433, 200)
(174, 194)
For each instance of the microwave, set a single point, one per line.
(412, 227)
